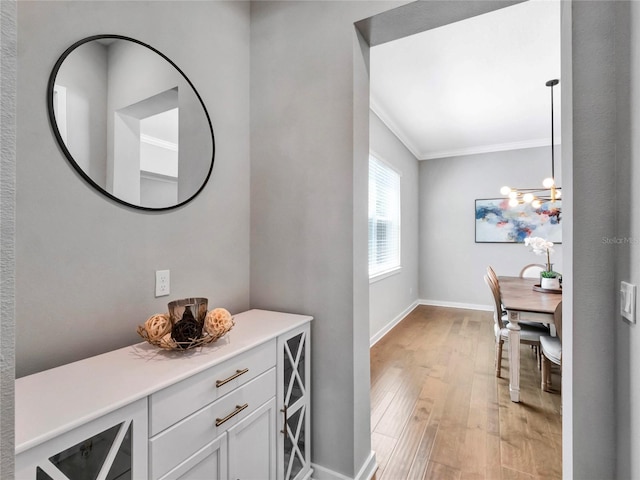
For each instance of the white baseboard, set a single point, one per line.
(384, 330)
(366, 471)
(321, 473)
(368, 468)
(435, 303)
(466, 306)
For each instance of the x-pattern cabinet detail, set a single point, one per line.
(293, 392)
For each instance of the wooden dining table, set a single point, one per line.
(522, 302)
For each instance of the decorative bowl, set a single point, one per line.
(197, 305)
(164, 330)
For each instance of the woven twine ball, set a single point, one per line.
(217, 322)
(157, 326)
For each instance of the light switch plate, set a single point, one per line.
(628, 301)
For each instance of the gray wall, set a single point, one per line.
(85, 77)
(448, 190)
(308, 158)
(627, 238)
(85, 265)
(8, 78)
(589, 162)
(392, 297)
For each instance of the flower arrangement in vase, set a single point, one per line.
(549, 279)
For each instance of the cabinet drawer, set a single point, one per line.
(183, 439)
(180, 400)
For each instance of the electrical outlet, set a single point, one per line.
(163, 283)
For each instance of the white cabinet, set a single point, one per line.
(235, 409)
(209, 462)
(246, 451)
(294, 449)
(180, 441)
(111, 447)
(252, 445)
(181, 399)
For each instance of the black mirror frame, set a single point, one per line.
(67, 153)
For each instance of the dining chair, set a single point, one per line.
(532, 270)
(551, 348)
(493, 276)
(529, 334)
(492, 273)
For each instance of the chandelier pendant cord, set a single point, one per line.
(549, 191)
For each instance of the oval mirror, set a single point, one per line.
(130, 122)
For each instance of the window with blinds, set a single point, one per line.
(384, 218)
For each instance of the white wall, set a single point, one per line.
(391, 298)
(448, 190)
(85, 265)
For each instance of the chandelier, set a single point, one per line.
(549, 192)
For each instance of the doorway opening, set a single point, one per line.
(144, 169)
(453, 172)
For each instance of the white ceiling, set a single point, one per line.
(473, 86)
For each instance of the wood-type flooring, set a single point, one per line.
(439, 412)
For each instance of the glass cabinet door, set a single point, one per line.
(294, 369)
(295, 453)
(108, 451)
(294, 430)
(112, 447)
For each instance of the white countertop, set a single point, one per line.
(55, 401)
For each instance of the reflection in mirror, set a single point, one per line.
(131, 122)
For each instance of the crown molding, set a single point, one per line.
(384, 118)
(497, 147)
(158, 142)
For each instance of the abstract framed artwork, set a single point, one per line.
(497, 222)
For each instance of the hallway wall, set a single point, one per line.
(86, 265)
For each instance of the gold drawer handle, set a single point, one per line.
(219, 383)
(239, 408)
